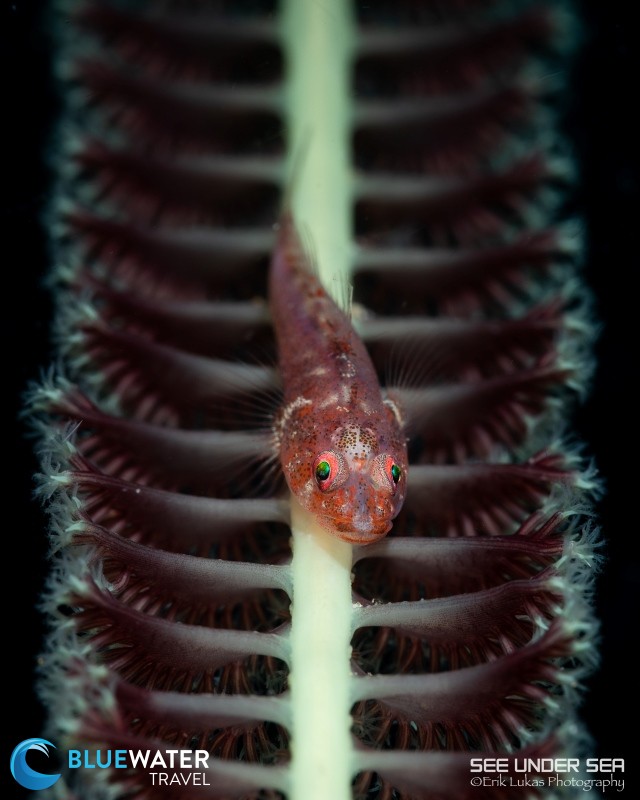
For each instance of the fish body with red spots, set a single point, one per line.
(341, 443)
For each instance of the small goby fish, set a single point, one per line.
(341, 443)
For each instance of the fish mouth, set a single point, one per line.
(361, 534)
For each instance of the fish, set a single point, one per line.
(341, 443)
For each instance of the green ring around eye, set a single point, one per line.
(323, 470)
(396, 472)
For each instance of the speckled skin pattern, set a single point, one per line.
(333, 408)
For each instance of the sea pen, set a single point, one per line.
(154, 441)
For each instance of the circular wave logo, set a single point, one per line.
(23, 773)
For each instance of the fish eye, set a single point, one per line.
(387, 472)
(328, 470)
